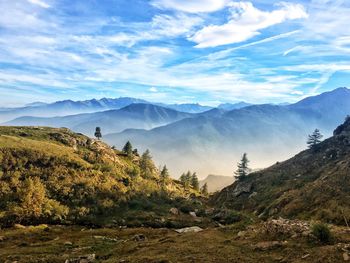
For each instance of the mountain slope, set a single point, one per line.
(213, 141)
(216, 182)
(313, 184)
(140, 116)
(186, 107)
(233, 106)
(56, 176)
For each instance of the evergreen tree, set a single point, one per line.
(188, 177)
(204, 189)
(195, 182)
(164, 174)
(135, 152)
(242, 167)
(314, 138)
(98, 133)
(146, 164)
(127, 149)
(183, 179)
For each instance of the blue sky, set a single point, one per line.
(206, 51)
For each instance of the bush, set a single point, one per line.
(322, 233)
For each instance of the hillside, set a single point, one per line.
(213, 141)
(53, 175)
(313, 184)
(139, 116)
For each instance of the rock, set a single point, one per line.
(268, 245)
(68, 243)
(305, 256)
(106, 238)
(2, 238)
(192, 229)
(139, 237)
(241, 234)
(19, 226)
(82, 259)
(209, 211)
(346, 256)
(174, 211)
(193, 214)
(284, 227)
(242, 187)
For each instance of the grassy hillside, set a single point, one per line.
(313, 184)
(53, 175)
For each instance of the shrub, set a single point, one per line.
(322, 233)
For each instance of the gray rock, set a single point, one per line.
(193, 214)
(192, 229)
(242, 187)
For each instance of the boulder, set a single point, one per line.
(174, 211)
(268, 245)
(192, 229)
(193, 214)
(242, 187)
(139, 237)
(346, 256)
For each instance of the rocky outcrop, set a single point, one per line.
(242, 187)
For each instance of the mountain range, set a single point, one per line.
(204, 139)
(213, 141)
(69, 107)
(138, 116)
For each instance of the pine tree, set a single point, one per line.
(183, 179)
(164, 174)
(242, 167)
(314, 138)
(188, 177)
(127, 149)
(135, 152)
(195, 182)
(98, 133)
(204, 189)
(146, 164)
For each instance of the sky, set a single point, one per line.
(172, 51)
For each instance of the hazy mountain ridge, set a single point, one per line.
(70, 107)
(216, 182)
(67, 107)
(212, 141)
(145, 116)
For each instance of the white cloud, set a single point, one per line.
(246, 21)
(39, 3)
(191, 6)
(153, 89)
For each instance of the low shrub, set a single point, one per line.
(322, 233)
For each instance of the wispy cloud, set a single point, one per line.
(40, 3)
(191, 6)
(246, 21)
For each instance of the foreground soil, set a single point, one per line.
(77, 244)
